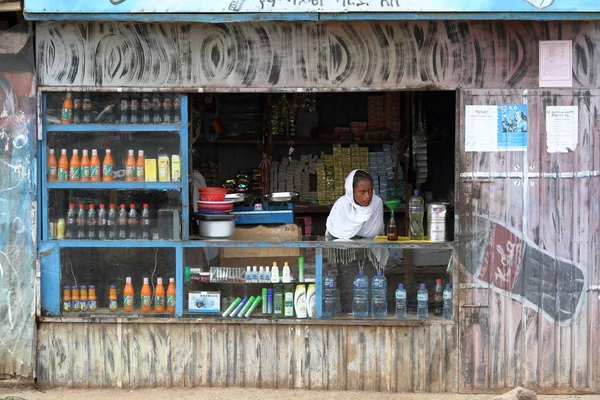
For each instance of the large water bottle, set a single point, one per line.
(422, 298)
(416, 209)
(329, 295)
(400, 301)
(360, 302)
(448, 301)
(379, 295)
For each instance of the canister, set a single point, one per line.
(436, 222)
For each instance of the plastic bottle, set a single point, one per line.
(245, 308)
(63, 167)
(74, 167)
(128, 294)
(52, 171)
(253, 306)
(329, 295)
(86, 106)
(176, 110)
(232, 307)
(379, 295)
(102, 222)
(264, 295)
(60, 229)
(286, 276)
(70, 222)
(95, 169)
(113, 304)
(146, 106)
(438, 304)
(81, 220)
(84, 171)
(77, 110)
(83, 298)
(140, 167)
(130, 167)
(92, 222)
(145, 223)
(66, 114)
(311, 300)
(132, 222)
(239, 307)
(267, 275)
(167, 107)
(156, 109)
(274, 273)
(124, 108)
(301, 269)
(122, 222)
(107, 167)
(111, 222)
(269, 301)
(171, 296)
(278, 301)
(447, 301)
(66, 303)
(92, 299)
(254, 275)
(248, 275)
(288, 301)
(261, 274)
(416, 209)
(360, 301)
(75, 305)
(422, 299)
(400, 301)
(300, 301)
(145, 297)
(134, 107)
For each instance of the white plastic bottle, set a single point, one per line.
(248, 275)
(254, 275)
(300, 301)
(286, 276)
(275, 273)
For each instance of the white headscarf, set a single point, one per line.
(348, 219)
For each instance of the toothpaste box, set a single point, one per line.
(150, 170)
(204, 302)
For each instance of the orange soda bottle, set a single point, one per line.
(84, 172)
(107, 167)
(113, 304)
(67, 299)
(75, 305)
(130, 167)
(128, 294)
(92, 300)
(74, 167)
(140, 167)
(171, 296)
(95, 169)
(159, 296)
(83, 298)
(66, 114)
(146, 297)
(63, 167)
(52, 166)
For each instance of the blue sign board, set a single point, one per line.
(512, 127)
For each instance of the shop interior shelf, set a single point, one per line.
(115, 185)
(112, 128)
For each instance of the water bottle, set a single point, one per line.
(146, 107)
(92, 222)
(422, 298)
(416, 209)
(81, 217)
(360, 302)
(122, 222)
(70, 222)
(111, 222)
(145, 223)
(156, 109)
(437, 298)
(448, 301)
(379, 295)
(329, 295)
(248, 275)
(132, 222)
(102, 220)
(400, 302)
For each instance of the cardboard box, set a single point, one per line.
(204, 302)
(164, 169)
(175, 168)
(150, 170)
(266, 233)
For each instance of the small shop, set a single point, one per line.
(188, 170)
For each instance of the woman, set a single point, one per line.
(359, 212)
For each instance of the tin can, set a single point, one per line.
(436, 222)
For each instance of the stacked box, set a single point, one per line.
(294, 176)
(382, 167)
(375, 112)
(392, 111)
(357, 129)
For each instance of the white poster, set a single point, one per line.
(556, 63)
(481, 128)
(562, 128)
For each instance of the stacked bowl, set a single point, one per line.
(215, 218)
(212, 201)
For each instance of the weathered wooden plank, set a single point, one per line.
(285, 358)
(450, 354)
(219, 353)
(434, 362)
(299, 348)
(179, 350)
(334, 353)
(162, 354)
(268, 356)
(385, 358)
(202, 364)
(315, 361)
(369, 362)
(96, 356)
(250, 365)
(354, 343)
(403, 345)
(61, 354)
(43, 350)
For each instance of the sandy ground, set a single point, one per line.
(246, 394)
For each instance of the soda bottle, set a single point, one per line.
(81, 222)
(329, 295)
(83, 299)
(113, 304)
(75, 305)
(379, 295)
(360, 301)
(101, 229)
(92, 299)
(400, 301)
(52, 166)
(176, 110)
(437, 298)
(159, 296)
(145, 223)
(66, 114)
(70, 222)
(134, 107)
(95, 168)
(107, 167)
(86, 106)
(132, 222)
(85, 167)
(140, 167)
(77, 110)
(60, 229)
(111, 222)
(171, 296)
(124, 111)
(156, 109)
(92, 222)
(447, 301)
(63, 167)
(146, 106)
(66, 303)
(422, 299)
(145, 297)
(167, 107)
(128, 294)
(416, 209)
(122, 222)
(130, 167)
(74, 167)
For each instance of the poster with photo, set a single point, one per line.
(512, 127)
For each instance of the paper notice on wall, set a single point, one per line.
(562, 128)
(556, 63)
(512, 127)
(481, 128)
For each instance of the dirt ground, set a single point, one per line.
(246, 394)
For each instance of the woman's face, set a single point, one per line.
(363, 192)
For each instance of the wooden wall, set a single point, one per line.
(420, 358)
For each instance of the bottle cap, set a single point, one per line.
(112, 286)
(422, 286)
(128, 280)
(84, 287)
(63, 151)
(112, 206)
(400, 286)
(108, 151)
(171, 280)
(159, 280)
(122, 205)
(145, 281)
(51, 151)
(447, 286)
(300, 260)
(67, 287)
(187, 273)
(269, 292)
(329, 272)
(254, 268)
(94, 152)
(71, 205)
(379, 272)
(91, 287)
(130, 152)
(85, 152)
(361, 272)
(92, 206)
(75, 287)
(81, 206)
(132, 206)
(145, 205)
(102, 206)
(248, 268)
(415, 192)
(140, 153)
(438, 281)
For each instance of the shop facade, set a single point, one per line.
(525, 271)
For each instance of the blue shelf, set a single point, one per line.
(115, 185)
(125, 244)
(112, 128)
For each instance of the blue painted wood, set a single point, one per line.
(43, 215)
(178, 281)
(113, 243)
(185, 169)
(115, 185)
(87, 128)
(319, 280)
(49, 255)
(479, 16)
(206, 18)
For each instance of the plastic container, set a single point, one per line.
(212, 193)
(422, 299)
(379, 295)
(216, 226)
(416, 210)
(360, 301)
(329, 295)
(400, 301)
(447, 301)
